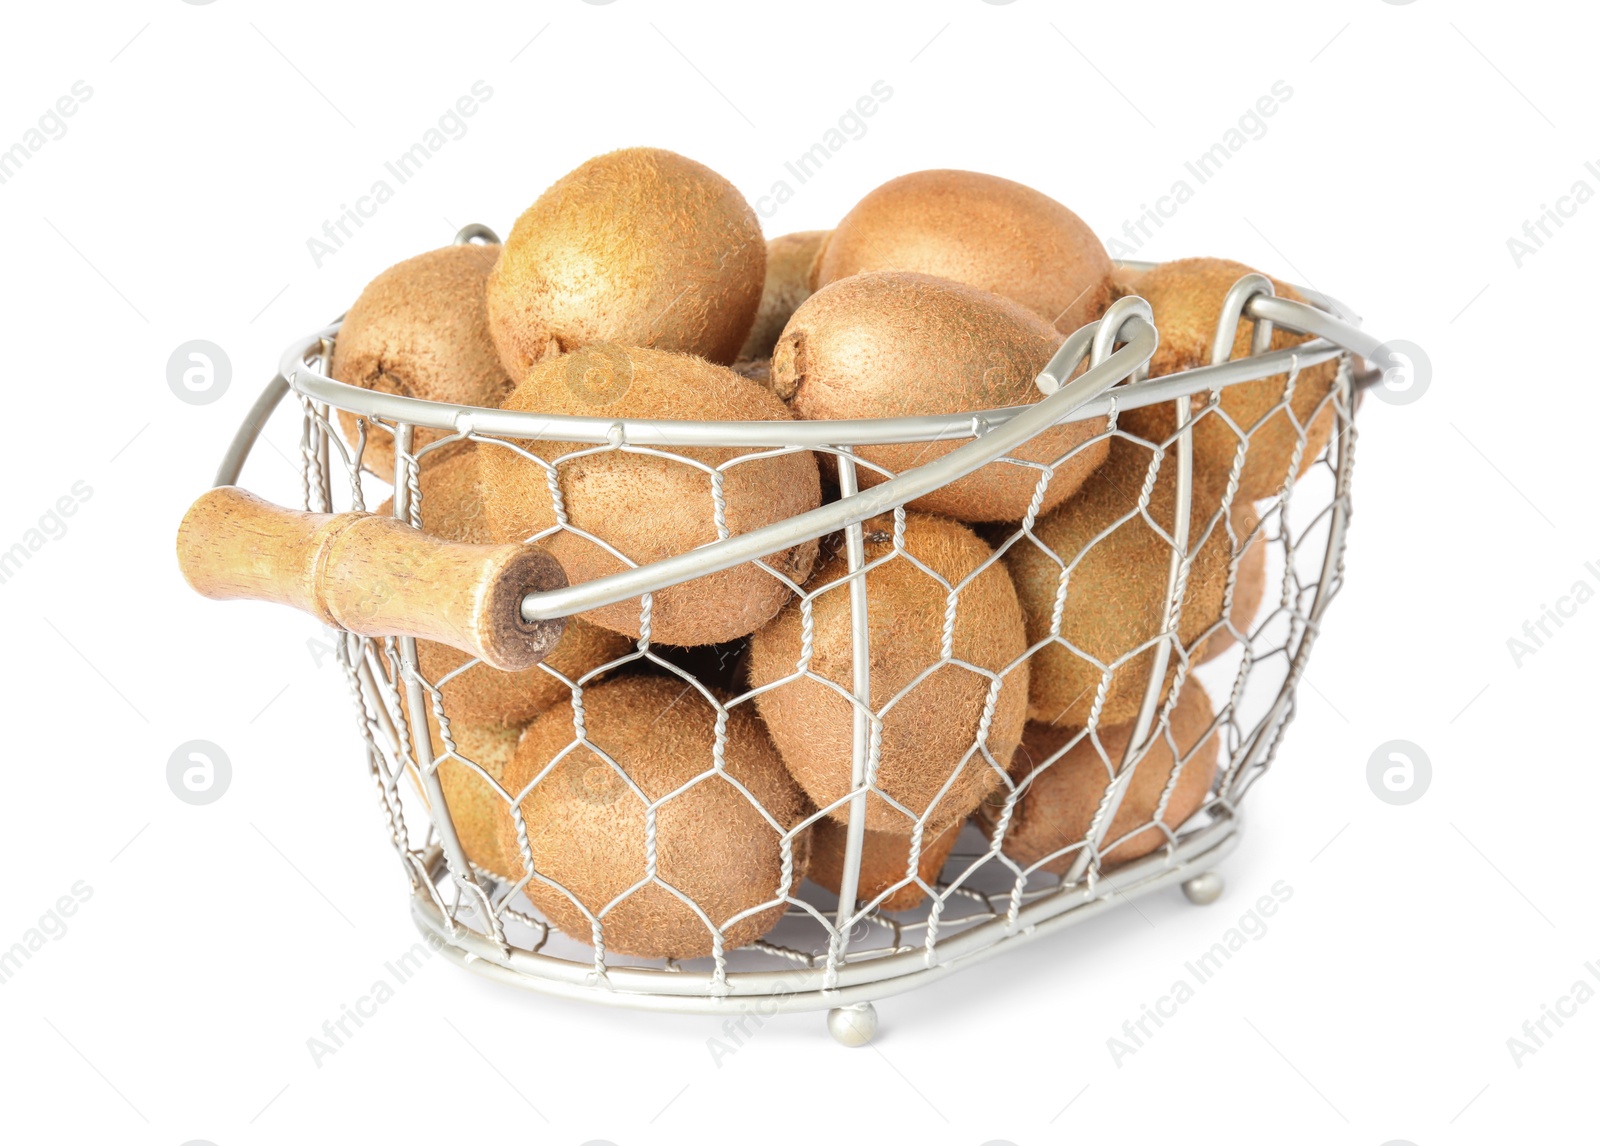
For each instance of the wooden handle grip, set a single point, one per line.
(371, 575)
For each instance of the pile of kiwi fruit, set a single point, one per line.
(665, 782)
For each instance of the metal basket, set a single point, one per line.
(834, 952)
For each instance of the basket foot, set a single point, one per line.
(853, 1026)
(1207, 887)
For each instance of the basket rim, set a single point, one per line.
(1332, 328)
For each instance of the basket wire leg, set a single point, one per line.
(1207, 887)
(853, 1026)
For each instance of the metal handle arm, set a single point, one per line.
(1129, 316)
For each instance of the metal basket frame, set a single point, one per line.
(1118, 348)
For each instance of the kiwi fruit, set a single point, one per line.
(420, 330)
(1057, 804)
(1185, 298)
(885, 859)
(1116, 587)
(489, 696)
(928, 737)
(888, 344)
(586, 823)
(482, 695)
(646, 506)
(476, 809)
(981, 230)
(1250, 584)
(790, 259)
(641, 247)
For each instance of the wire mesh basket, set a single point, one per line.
(884, 910)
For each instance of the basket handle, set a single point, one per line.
(371, 575)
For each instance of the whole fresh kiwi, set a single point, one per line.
(790, 259)
(641, 247)
(420, 330)
(885, 860)
(1114, 564)
(889, 344)
(931, 735)
(981, 230)
(1055, 808)
(1186, 299)
(587, 828)
(648, 506)
(481, 695)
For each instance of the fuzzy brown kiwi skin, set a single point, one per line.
(481, 695)
(988, 232)
(890, 344)
(1116, 592)
(477, 811)
(1185, 298)
(1125, 282)
(788, 284)
(885, 857)
(1058, 805)
(642, 247)
(475, 807)
(650, 507)
(586, 826)
(926, 735)
(421, 330)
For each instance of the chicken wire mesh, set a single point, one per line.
(953, 890)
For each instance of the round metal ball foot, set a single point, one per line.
(1204, 888)
(853, 1026)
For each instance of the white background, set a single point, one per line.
(217, 939)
